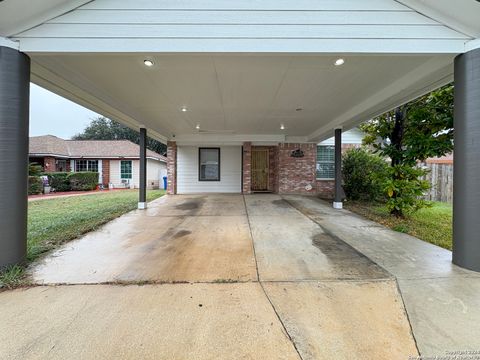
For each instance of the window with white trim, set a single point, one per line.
(86, 165)
(126, 169)
(325, 162)
(209, 164)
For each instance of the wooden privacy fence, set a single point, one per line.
(440, 177)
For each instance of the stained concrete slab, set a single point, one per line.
(442, 299)
(344, 320)
(318, 266)
(198, 205)
(139, 247)
(181, 321)
(402, 255)
(298, 249)
(289, 246)
(269, 205)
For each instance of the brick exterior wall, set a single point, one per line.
(247, 168)
(171, 167)
(49, 164)
(325, 188)
(294, 174)
(105, 172)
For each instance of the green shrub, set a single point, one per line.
(404, 189)
(35, 185)
(59, 181)
(363, 174)
(83, 181)
(34, 169)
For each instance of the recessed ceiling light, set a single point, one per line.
(184, 109)
(148, 62)
(282, 127)
(197, 127)
(339, 62)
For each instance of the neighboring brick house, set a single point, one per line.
(116, 161)
(284, 168)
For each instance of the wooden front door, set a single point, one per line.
(260, 170)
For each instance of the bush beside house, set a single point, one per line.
(35, 185)
(64, 181)
(363, 175)
(59, 181)
(83, 181)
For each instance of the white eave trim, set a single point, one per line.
(472, 45)
(209, 45)
(9, 43)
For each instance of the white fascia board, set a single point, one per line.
(472, 45)
(211, 45)
(438, 16)
(45, 78)
(9, 43)
(46, 15)
(438, 71)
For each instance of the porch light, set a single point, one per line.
(282, 127)
(184, 109)
(148, 62)
(339, 62)
(197, 127)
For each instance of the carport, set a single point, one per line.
(238, 74)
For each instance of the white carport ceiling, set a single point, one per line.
(237, 94)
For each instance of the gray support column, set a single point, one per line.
(337, 203)
(142, 201)
(466, 185)
(14, 109)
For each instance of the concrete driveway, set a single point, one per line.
(233, 277)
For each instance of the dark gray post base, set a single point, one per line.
(466, 186)
(14, 111)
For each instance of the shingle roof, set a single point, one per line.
(52, 145)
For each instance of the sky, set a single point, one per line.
(54, 115)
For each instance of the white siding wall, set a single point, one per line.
(154, 171)
(230, 171)
(354, 136)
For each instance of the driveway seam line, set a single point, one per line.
(408, 316)
(263, 288)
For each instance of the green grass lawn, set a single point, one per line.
(53, 222)
(433, 224)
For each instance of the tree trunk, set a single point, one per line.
(397, 141)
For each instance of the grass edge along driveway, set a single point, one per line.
(53, 222)
(432, 224)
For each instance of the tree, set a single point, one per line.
(102, 128)
(411, 133)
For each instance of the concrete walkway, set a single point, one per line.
(233, 277)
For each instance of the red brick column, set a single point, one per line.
(296, 174)
(171, 167)
(247, 168)
(105, 172)
(49, 164)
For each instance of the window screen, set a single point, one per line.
(209, 164)
(325, 162)
(86, 165)
(126, 169)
